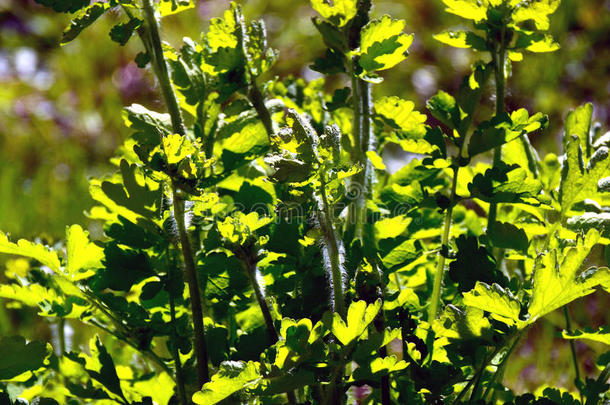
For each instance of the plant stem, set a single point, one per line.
(61, 335)
(500, 370)
(200, 346)
(332, 245)
(171, 101)
(175, 353)
(577, 380)
(440, 269)
(499, 60)
(249, 264)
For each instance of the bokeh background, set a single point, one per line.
(60, 117)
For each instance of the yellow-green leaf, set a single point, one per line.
(376, 160)
(81, 253)
(383, 44)
(232, 376)
(340, 12)
(41, 253)
(461, 39)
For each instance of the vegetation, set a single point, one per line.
(257, 250)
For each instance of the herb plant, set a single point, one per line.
(257, 250)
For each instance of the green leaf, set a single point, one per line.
(503, 129)
(100, 367)
(473, 263)
(177, 147)
(559, 280)
(383, 44)
(378, 367)
(400, 114)
(537, 11)
(508, 236)
(506, 184)
(536, 42)
(402, 254)
(232, 376)
(64, 6)
(445, 109)
(121, 33)
(495, 300)
(391, 227)
(359, 317)
(18, 356)
(141, 199)
(577, 181)
(166, 8)
(456, 323)
(139, 118)
(469, 9)
(122, 269)
(83, 19)
(340, 12)
(583, 223)
(578, 123)
(462, 39)
(35, 251)
(81, 253)
(601, 335)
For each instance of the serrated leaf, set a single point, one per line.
(495, 300)
(473, 263)
(469, 9)
(456, 323)
(537, 11)
(177, 147)
(583, 223)
(578, 123)
(462, 39)
(536, 42)
(232, 376)
(18, 356)
(401, 255)
(339, 12)
(359, 317)
(400, 114)
(41, 253)
(508, 236)
(121, 32)
(166, 8)
(577, 181)
(378, 367)
(559, 279)
(64, 6)
(445, 109)
(81, 253)
(383, 44)
(601, 335)
(391, 227)
(83, 19)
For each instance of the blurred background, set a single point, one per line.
(60, 115)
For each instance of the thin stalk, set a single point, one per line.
(332, 244)
(577, 380)
(175, 353)
(61, 335)
(498, 375)
(440, 269)
(499, 60)
(249, 265)
(171, 101)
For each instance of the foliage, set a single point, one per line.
(257, 247)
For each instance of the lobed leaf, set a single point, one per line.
(83, 19)
(38, 252)
(383, 44)
(19, 357)
(340, 12)
(231, 377)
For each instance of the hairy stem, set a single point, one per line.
(171, 101)
(435, 300)
(330, 237)
(249, 265)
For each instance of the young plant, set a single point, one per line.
(257, 249)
